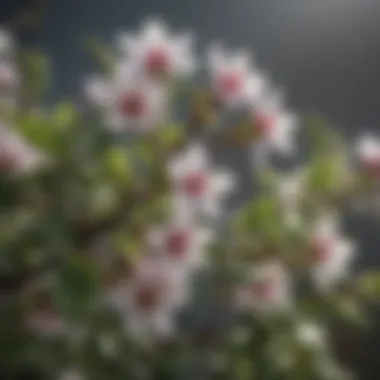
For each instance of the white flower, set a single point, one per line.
(150, 299)
(181, 243)
(198, 188)
(331, 254)
(157, 52)
(310, 334)
(16, 155)
(368, 151)
(267, 289)
(273, 127)
(128, 101)
(233, 80)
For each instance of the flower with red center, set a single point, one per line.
(322, 249)
(195, 184)
(267, 288)
(132, 105)
(177, 243)
(274, 126)
(264, 290)
(148, 296)
(368, 150)
(230, 84)
(127, 100)
(332, 253)
(234, 81)
(180, 243)
(155, 51)
(197, 187)
(150, 299)
(158, 61)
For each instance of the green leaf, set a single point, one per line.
(351, 311)
(118, 165)
(101, 53)
(325, 173)
(321, 136)
(35, 71)
(76, 287)
(64, 115)
(368, 285)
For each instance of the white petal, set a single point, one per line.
(368, 147)
(154, 31)
(196, 157)
(98, 91)
(223, 182)
(216, 57)
(241, 61)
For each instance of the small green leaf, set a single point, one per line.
(369, 285)
(118, 165)
(76, 287)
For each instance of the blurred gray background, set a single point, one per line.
(326, 53)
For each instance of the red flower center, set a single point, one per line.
(132, 104)
(195, 184)
(177, 243)
(322, 249)
(158, 61)
(230, 84)
(5, 81)
(263, 124)
(263, 290)
(7, 162)
(148, 296)
(372, 165)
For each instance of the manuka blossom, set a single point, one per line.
(16, 155)
(331, 254)
(150, 299)
(310, 334)
(180, 242)
(156, 52)
(273, 127)
(233, 81)
(129, 102)
(368, 151)
(267, 288)
(197, 186)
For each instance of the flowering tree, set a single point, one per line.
(123, 255)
